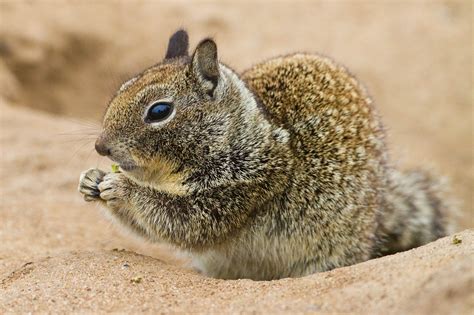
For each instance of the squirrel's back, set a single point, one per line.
(325, 109)
(338, 139)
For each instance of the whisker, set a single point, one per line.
(78, 140)
(89, 154)
(75, 153)
(84, 122)
(77, 134)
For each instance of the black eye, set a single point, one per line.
(159, 111)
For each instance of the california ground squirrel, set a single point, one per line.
(279, 172)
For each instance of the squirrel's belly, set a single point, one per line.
(258, 258)
(239, 265)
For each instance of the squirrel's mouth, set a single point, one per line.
(128, 167)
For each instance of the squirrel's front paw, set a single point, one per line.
(113, 189)
(89, 184)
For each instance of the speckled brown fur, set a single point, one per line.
(279, 173)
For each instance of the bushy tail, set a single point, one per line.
(415, 212)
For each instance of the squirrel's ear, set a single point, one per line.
(178, 45)
(205, 65)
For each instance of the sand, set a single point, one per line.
(60, 63)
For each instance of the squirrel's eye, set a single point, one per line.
(158, 111)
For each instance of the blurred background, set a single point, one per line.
(67, 58)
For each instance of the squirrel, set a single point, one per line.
(281, 171)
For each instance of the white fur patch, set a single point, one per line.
(281, 135)
(127, 84)
(247, 97)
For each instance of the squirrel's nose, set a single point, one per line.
(101, 147)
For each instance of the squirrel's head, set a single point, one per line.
(177, 120)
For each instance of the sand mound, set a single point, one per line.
(434, 279)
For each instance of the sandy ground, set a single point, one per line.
(59, 64)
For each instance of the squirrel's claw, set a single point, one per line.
(89, 182)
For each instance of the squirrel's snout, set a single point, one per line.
(101, 147)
